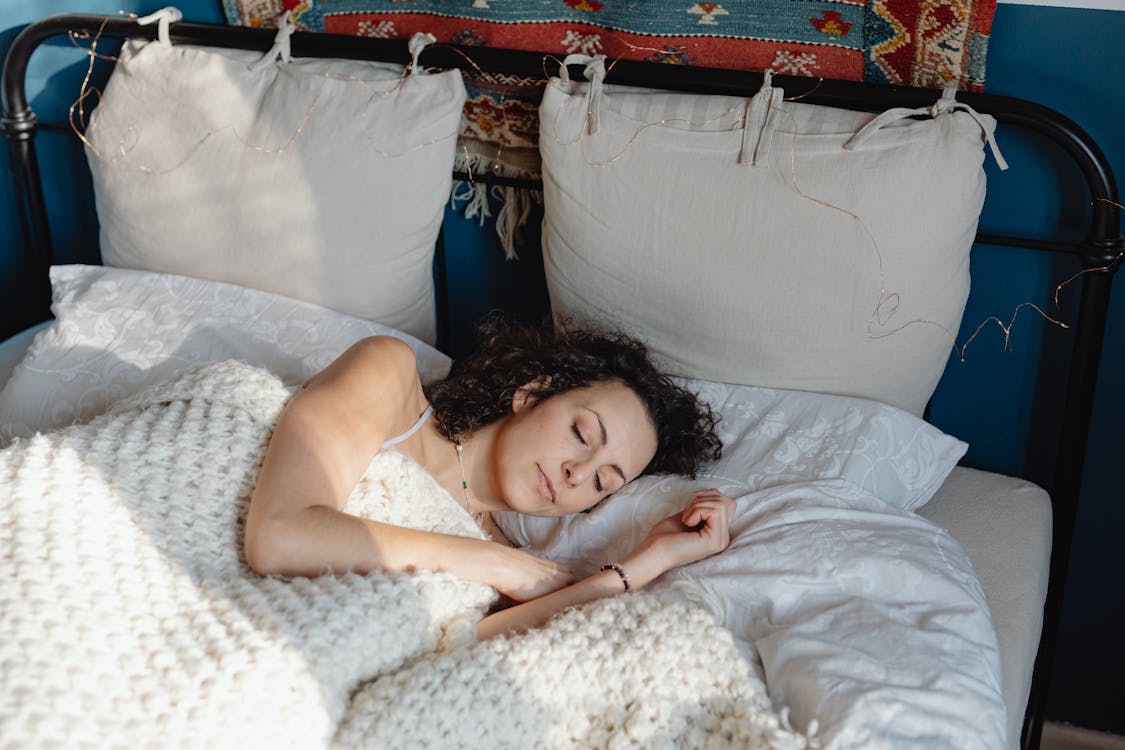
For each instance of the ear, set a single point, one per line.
(528, 393)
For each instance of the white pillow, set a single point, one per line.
(754, 253)
(117, 331)
(323, 180)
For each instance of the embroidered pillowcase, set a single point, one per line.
(323, 180)
(756, 242)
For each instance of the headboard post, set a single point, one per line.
(1089, 332)
(20, 125)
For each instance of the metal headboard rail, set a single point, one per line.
(1099, 251)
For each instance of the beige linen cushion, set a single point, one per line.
(321, 180)
(767, 255)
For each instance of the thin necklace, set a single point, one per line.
(478, 517)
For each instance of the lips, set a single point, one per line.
(545, 488)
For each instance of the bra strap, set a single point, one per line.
(417, 426)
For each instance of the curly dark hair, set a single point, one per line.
(480, 388)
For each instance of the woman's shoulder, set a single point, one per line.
(391, 362)
(388, 359)
(376, 373)
(385, 350)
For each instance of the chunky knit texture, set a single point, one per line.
(128, 617)
(633, 671)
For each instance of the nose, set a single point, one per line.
(575, 472)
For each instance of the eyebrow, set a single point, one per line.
(605, 439)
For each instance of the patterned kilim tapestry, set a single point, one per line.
(930, 43)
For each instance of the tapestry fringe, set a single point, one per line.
(476, 199)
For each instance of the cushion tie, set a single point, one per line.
(164, 17)
(285, 29)
(762, 114)
(417, 43)
(946, 104)
(595, 74)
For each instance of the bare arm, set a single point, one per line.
(323, 443)
(700, 530)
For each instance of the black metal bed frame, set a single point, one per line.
(1099, 252)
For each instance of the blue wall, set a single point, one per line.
(1068, 59)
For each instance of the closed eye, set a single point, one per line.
(578, 434)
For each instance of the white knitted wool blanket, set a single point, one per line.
(633, 671)
(128, 617)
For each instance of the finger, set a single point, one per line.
(716, 503)
(691, 513)
(712, 520)
(720, 504)
(715, 532)
(698, 514)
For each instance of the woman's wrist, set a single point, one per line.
(642, 566)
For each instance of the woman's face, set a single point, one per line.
(565, 453)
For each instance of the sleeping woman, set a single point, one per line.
(535, 421)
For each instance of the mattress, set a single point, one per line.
(1004, 524)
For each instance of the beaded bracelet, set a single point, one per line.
(619, 571)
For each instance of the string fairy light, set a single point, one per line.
(74, 36)
(1007, 329)
(810, 92)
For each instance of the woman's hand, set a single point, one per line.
(700, 530)
(521, 576)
